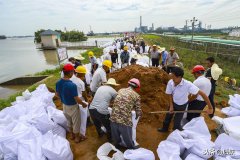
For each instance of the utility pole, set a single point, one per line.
(193, 25)
(186, 27)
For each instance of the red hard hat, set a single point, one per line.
(68, 67)
(135, 82)
(198, 68)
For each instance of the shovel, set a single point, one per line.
(190, 111)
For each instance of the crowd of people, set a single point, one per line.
(101, 94)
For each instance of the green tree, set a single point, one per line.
(37, 35)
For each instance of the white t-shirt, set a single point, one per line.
(181, 92)
(204, 85)
(99, 77)
(102, 99)
(80, 85)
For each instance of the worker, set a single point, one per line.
(114, 59)
(155, 56)
(100, 76)
(93, 60)
(79, 59)
(74, 62)
(164, 54)
(125, 57)
(67, 91)
(134, 59)
(204, 84)
(137, 48)
(122, 44)
(99, 107)
(231, 82)
(171, 60)
(142, 44)
(178, 89)
(108, 55)
(213, 73)
(126, 100)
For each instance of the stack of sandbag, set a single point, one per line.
(193, 141)
(229, 125)
(234, 108)
(34, 129)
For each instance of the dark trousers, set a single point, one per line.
(211, 98)
(155, 62)
(195, 105)
(177, 117)
(126, 132)
(100, 120)
(143, 47)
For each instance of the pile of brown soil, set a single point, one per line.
(153, 84)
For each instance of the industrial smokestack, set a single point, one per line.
(140, 21)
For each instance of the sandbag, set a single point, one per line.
(26, 94)
(43, 123)
(30, 149)
(177, 138)
(105, 149)
(56, 148)
(57, 116)
(231, 111)
(58, 130)
(232, 127)
(139, 154)
(194, 157)
(168, 151)
(84, 116)
(197, 128)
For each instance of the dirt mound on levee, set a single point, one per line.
(153, 85)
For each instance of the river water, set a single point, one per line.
(19, 57)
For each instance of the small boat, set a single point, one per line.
(3, 37)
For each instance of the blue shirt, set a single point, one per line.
(67, 90)
(164, 56)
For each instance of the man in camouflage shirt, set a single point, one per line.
(121, 118)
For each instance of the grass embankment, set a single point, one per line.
(190, 58)
(51, 81)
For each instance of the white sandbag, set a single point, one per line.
(15, 111)
(232, 127)
(226, 143)
(30, 149)
(231, 111)
(234, 101)
(57, 116)
(59, 130)
(177, 138)
(193, 157)
(56, 148)
(218, 120)
(139, 154)
(201, 146)
(84, 116)
(197, 128)
(168, 151)
(105, 149)
(26, 94)
(43, 123)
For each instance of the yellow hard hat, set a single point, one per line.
(234, 81)
(226, 79)
(125, 48)
(90, 54)
(81, 69)
(107, 63)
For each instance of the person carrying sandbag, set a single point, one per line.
(99, 107)
(67, 91)
(127, 100)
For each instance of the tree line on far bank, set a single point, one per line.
(70, 36)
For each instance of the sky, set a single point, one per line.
(24, 17)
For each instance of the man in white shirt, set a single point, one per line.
(108, 55)
(99, 107)
(172, 58)
(178, 89)
(100, 76)
(197, 102)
